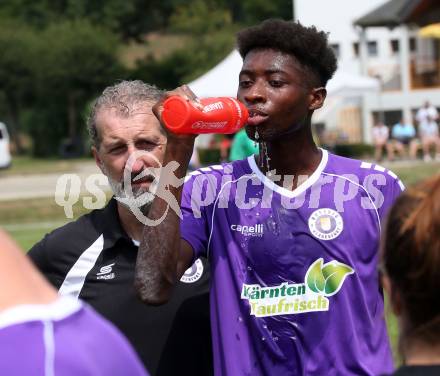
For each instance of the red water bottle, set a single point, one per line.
(219, 115)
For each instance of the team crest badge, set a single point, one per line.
(193, 273)
(326, 224)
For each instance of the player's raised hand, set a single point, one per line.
(184, 92)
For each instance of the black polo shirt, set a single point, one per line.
(94, 260)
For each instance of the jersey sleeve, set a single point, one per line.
(194, 223)
(391, 190)
(382, 186)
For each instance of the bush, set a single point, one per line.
(187, 63)
(353, 150)
(76, 61)
(209, 156)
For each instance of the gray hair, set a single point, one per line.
(123, 97)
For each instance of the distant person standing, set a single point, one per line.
(381, 134)
(429, 135)
(411, 266)
(242, 146)
(403, 134)
(427, 118)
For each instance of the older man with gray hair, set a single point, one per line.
(93, 258)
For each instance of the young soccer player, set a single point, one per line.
(292, 234)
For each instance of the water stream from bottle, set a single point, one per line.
(264, 155)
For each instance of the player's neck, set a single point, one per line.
(421, 354)
(131, 225)
(296, 155)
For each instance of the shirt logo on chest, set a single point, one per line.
(193, 273)
(326, 224)
(106, 272)
(322, 280)
(256, 230)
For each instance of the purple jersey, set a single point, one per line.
(295, 288)
(64, 338)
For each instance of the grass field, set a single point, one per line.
(28, 220)
(414, 172)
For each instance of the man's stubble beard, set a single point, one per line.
(129, 199)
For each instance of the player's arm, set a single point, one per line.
(163, 256)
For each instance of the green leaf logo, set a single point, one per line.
(314, 279)
(327, 279)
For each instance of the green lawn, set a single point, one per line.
(28, 220)
(27, 236)
(415, 172)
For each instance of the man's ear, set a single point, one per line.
(318, 96)
(97, 158)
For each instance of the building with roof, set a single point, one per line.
(378, 39)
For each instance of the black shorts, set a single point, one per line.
(404, 140)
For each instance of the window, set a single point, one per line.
(412, 44)
(394, 46)
(389, 117)
(336, 49)
(372, 48)
(356, 49)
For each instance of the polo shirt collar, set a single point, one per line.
(110, 225)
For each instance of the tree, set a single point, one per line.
(212, 38)
(19, 46)
(76, 60)
(126, 18)
(251, 12)
(200, 17)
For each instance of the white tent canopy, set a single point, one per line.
(222, 80)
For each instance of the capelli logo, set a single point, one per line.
(256, 230)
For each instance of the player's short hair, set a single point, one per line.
(411, 259)
(124, 98)
(306, 44)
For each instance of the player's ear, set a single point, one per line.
(317, 98)
(97, 158)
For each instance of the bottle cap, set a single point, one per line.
(176, 112)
